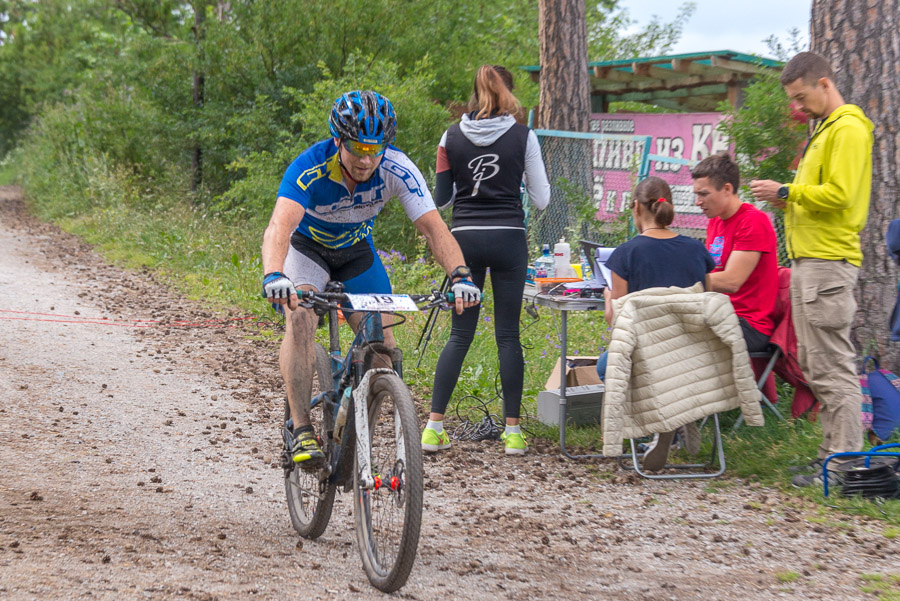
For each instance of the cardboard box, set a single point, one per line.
(580, 371)
(583, 405)
(554, 285)
(584, 393)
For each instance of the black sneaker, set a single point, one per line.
(816, 479)
(307, 452)
(809, 468)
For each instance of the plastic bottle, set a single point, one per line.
(562, 255)
(545, 267)
(585, 267)
(341, 419)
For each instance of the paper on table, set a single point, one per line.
(605, 276)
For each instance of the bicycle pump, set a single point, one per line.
(429, 325)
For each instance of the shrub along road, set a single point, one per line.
(140, 462)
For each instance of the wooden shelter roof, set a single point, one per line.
(694, 82)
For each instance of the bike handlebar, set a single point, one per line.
(332, 300)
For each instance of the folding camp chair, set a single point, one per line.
(717, 453)
(772, 354)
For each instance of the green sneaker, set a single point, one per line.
(307, 452)
(433, 441)
(515, 443)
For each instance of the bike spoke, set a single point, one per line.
(385, 512)
(309, 495)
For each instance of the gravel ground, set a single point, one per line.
(141, 463)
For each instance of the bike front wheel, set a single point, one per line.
(310, 495)
(389, 515)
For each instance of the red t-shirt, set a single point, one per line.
(749, 229)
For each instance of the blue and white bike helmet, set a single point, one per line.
(364, 116)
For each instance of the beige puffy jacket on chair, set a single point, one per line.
(676, 356)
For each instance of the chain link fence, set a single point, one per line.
(592, 176)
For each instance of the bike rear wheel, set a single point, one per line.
(389, 516)
(310, 495)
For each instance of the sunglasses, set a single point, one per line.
(361, 150)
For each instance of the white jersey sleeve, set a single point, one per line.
(404, 180)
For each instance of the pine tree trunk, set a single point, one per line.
(565, 95)
(564, 105)
(198, 90)
(861, 38)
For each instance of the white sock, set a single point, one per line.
(513, 429)
(436, 426)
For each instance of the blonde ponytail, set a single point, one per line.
(493, 93)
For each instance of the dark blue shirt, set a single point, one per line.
(646, 262)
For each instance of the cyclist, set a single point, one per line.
(321, 230)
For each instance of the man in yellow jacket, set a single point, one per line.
(825, 208)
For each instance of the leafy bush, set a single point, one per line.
(767, 138)
(99, 149)
(420, 124)
(765, 134)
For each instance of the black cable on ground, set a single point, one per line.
(491, 425)
(879, 480)
(487, 429)
(531, 309)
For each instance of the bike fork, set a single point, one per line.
(363, 439)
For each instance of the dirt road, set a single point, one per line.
(139, 463)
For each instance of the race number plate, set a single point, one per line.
(382, 302)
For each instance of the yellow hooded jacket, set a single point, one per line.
(828, 203)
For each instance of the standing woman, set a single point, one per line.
(481, 163)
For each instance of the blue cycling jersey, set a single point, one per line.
(335, 218)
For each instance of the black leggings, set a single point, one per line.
(506, 253)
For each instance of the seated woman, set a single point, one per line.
(657, 256)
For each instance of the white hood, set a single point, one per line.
(484, 132)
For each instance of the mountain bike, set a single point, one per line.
(366, 424)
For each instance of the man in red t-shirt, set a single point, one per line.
(742, 242)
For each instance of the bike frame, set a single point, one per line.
(368, 341)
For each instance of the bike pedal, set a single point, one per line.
(311, 466)
(287, 462)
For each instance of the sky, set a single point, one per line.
(739, 25)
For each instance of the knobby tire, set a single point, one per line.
(309, 501)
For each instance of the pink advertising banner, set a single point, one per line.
(687, 136)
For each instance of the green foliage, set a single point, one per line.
(247, 84)
(606, 24)
(420, 121)
(886, 587)
(767, 138)
(97, 152)
(33, 65)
